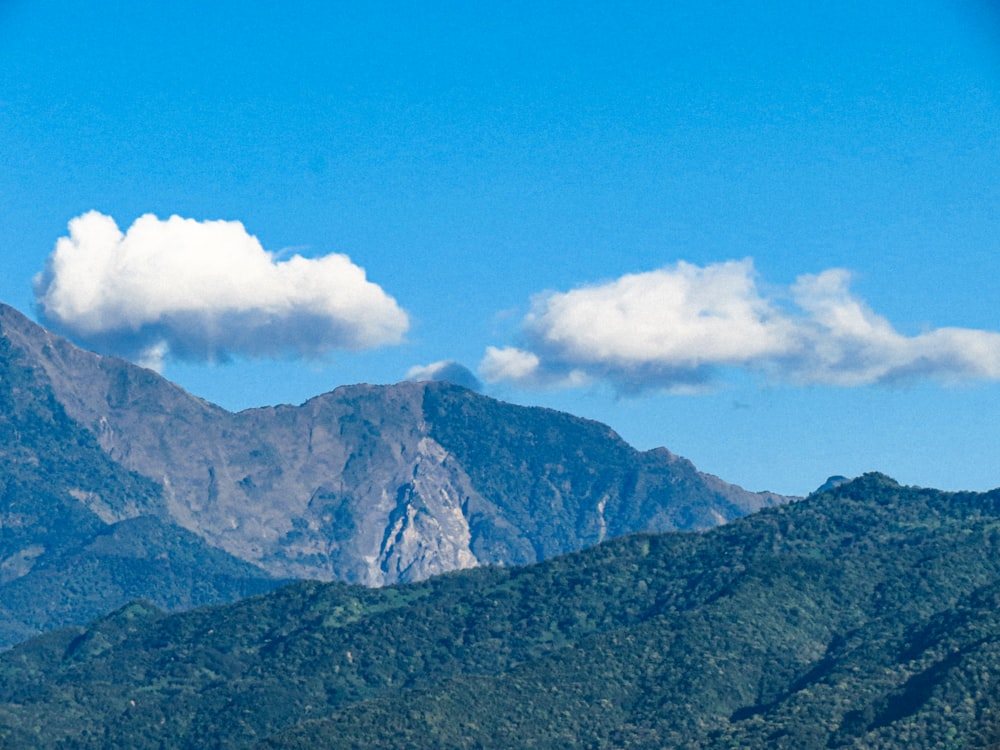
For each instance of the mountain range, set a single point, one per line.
(866, 616)
(418, 565)
(118, 484)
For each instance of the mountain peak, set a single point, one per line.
(376, 483)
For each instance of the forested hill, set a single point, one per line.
(866, 616)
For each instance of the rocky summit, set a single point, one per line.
(369, 484)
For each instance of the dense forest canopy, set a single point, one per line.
(866, 616)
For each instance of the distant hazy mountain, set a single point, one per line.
(864, 617)
(368, 484)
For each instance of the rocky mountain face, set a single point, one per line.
(370, 484)
(80, 533)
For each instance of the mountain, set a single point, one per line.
(369, 484)
(865, 616)
(78, 534)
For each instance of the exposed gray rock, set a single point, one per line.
(79, 534)
(374, 484)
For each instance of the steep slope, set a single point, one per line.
(863, 617)
(375, 484)
(75, 532)
(548, 483)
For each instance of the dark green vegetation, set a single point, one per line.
(867, 616)
(60, 563)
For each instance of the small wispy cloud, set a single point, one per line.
(206, 290)
(526, 368)
(679, 328)
(446, 370)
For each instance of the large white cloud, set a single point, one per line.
(206, 290)
(677, 327)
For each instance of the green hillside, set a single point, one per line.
(862, 617)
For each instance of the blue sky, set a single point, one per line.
(765, 236)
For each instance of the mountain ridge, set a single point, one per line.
(375, 484)
(62, 502)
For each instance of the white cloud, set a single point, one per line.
(446, 370)
(679, 327)
(843, 342)
(508, 363)
(524, 368)
(683, 316)
(152, 356)
(206, 290)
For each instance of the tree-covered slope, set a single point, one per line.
(862, 617)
